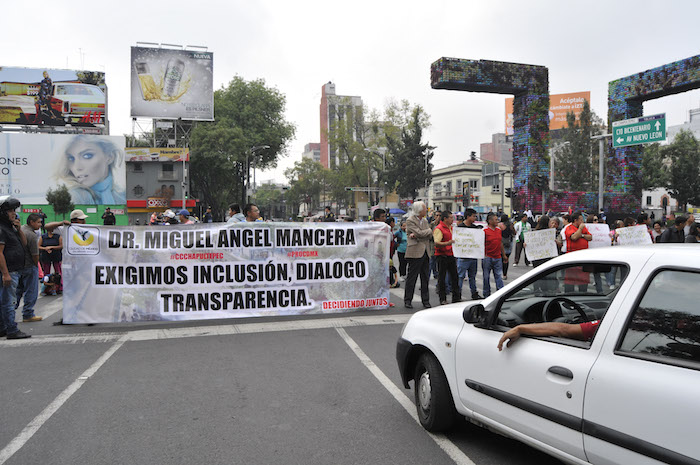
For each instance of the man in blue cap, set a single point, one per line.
(185, 217)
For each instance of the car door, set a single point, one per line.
(643, 397)
(535, 388)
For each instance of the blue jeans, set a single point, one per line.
(495, 264)
(28, 287)
(7, 305)
(433, 267)
(467, 266)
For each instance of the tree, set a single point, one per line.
(408, 164)
(267, 197)
(683, 155)
(60, 200)
(305, 179)
(247, 114)
(654, 169)
(577, 163)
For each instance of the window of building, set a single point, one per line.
(474, 184)
(167, 167)
(496, 188)
(138, 191)
(648, 199)
(665, 326)
(437, 188)
(138, 167)
(448, 187)
(167, 172)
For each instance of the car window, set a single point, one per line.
(666, 322)
(572, 293)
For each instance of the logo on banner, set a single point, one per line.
(84, 240)
(157, 202)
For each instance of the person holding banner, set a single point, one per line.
(12, 244)
(468, 266)
(419, 235)
(494, 253)
(442, 235)
(577, 238)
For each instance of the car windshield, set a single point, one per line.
(573, 293)
(77, 89)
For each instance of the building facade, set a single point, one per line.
(499, 150)
(336, 110)
(312, 151)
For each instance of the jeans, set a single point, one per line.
(447, 267)
(495, 264)
(7, 305)
(416, 267)
(28, 287)
(433, 267)
(467, 266)
(519, 250)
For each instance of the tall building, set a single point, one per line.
(499, 150)
(312, 150)
(336, 110)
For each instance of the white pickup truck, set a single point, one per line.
(625, 390)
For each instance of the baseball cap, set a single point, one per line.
(77, 214)
(184, 212)
(169, 213)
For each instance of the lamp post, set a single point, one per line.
(252, 153)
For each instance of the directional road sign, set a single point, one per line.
(642, 130)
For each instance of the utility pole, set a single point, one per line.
(601, 168)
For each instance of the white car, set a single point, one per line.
(629, 395)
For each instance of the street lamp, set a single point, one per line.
(252, 153)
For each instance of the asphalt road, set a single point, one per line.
(293, 390)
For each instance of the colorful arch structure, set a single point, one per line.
(529, 85)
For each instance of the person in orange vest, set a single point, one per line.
(446, 262)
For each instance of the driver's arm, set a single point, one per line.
(571, 331)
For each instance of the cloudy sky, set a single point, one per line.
(376, 49)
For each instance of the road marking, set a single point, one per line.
(218, 330)
(26, 434)
(450, 448)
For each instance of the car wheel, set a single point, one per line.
(436, 410)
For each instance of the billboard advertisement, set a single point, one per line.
(157, 154)
(218, 270)
(53, 97)
(559, 106)
(90, 166)
(173, 84)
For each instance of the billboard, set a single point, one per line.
(90, 166)
(559, 106)
(173, 84)
(53, 97)
(157, 154)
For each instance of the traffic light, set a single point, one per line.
(541, 181)
(509, 192)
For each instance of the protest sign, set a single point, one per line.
(540, 244)
(633, 235)
(469, 242)
(201, 271)
(600, 233)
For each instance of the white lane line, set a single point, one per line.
(455, 453)
(219, 330)
(26, 434)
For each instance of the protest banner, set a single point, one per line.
(540, 244)
(600, 233)
(633, 235)
(202, 271)
(469, 242)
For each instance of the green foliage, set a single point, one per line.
(683, 156)
(408, 157)
(247, 114)
(60, 200)
(267, 197)
(306, 180)
(577, 162)
(145, 141)
(654, 168)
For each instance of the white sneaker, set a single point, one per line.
(514, 265)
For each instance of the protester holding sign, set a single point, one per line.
(442, 235)
(495, 254)
(468, 266)
(577, 238)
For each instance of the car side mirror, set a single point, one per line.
(474, 314)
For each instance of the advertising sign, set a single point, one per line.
(214, 270)
(600, 233)
(540, 244)
(90, 166)
(168, 83)
(559, 106)
(157, 154)
(633, 235)
(53, 97)
(469, 242)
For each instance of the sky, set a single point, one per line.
(379, 50)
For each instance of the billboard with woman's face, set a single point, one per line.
(90, 166)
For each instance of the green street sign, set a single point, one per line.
(642, 130)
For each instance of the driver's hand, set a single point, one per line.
(511, 336)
